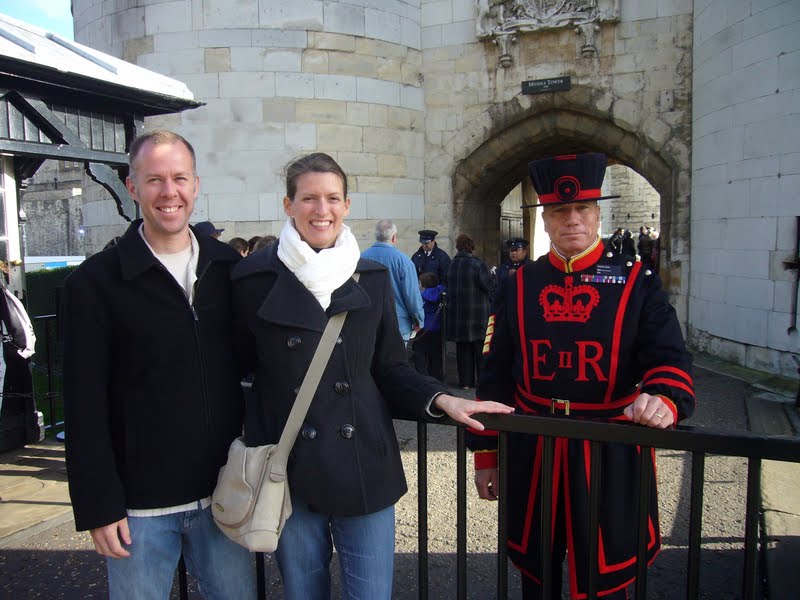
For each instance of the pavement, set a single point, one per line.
(36, 516)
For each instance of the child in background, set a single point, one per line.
(428, 341)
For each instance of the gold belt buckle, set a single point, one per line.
(561, 404)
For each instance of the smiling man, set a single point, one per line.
(151, 390)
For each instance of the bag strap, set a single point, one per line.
(308, 388)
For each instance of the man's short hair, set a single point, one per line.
(428, 280)
(158, 137)
(385, 230)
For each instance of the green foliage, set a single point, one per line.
(41, 290)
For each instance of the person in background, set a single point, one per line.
(345, 470)
(264, 242)
(240, 245)
(208, 228)
(584, 333)
(251, 243)
(152, 399)
(430, 258)
(428, 341)
(407, 300)
(517, 257)
(469, 289)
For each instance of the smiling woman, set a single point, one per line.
(51, 15)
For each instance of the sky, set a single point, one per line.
(50, 15)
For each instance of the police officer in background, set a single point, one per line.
(517, 257)
(430, 258)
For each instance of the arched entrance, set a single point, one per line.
(485, 176)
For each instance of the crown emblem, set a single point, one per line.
(568, 303)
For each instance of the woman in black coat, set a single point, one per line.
(469, 286)
(345, 472)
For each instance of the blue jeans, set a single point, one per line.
(365, 546)
(223, 569)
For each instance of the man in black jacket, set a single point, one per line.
(151, 389)
(430, 258)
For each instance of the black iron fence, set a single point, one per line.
(47, 362)
(699, 442)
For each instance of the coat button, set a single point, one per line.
(293, 341)
(339, 340)
(347, 431)
(341, 387)
(296, 391)
(308, 432)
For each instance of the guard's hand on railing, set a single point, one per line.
(487, 482)
(460, 409)
(651, 411)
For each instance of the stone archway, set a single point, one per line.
(484, 176)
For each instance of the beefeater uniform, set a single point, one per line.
(581, 338)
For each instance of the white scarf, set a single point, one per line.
(321, 272)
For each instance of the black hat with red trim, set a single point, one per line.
(567, 179)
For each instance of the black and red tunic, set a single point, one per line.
(590, 333)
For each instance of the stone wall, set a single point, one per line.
(281, 79)
(639, 205)
(746, 181)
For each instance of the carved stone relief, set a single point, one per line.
(501, 20)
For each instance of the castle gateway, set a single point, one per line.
(435, 107)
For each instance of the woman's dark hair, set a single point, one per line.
(238, 244)
(464, 243)
(251, 243)
(318, 162)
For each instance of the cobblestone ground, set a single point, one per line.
(60, 563)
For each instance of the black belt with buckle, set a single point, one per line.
(559, 403)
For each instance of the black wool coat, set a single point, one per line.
(152, 398)
(346, 460)
(469, 287)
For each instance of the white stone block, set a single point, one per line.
(335, 87)
(270, 206)
(707, 234)
(744, 263)
(710, 287)
(377, 91)
(749, 325)
(389, 206)
(291, 14)
(462, 32)
(789, 69)
(128, 24)
(749, 292)
(202, 85)
(777, 336)
(789, 196)
(750, 234)
(294, 85)
(244, 85)
(464, 10)
(186, 62)
(764, 196)
(280, 38)
(224, 38)
(671, 8)
(167, 17)
(763, 108)
(344, 18)
(716, 174)
(437, 13)
(412, 97)
(720, 147)
(282, 60)
(714, 201)
(636, 10)
(754, 168)
(246, 110)
(766, 46)
(790, 164)
(358, 206)
(432, 37)
(410, 33)
(776, 136)
(223, 14)
(719, 120)
(233, 207)
(247, 59)
(221, 184)
(769, 15)
(380, 25)
(301, 136)
(716, 66)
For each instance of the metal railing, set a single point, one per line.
(49, 366)
(700, 442)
